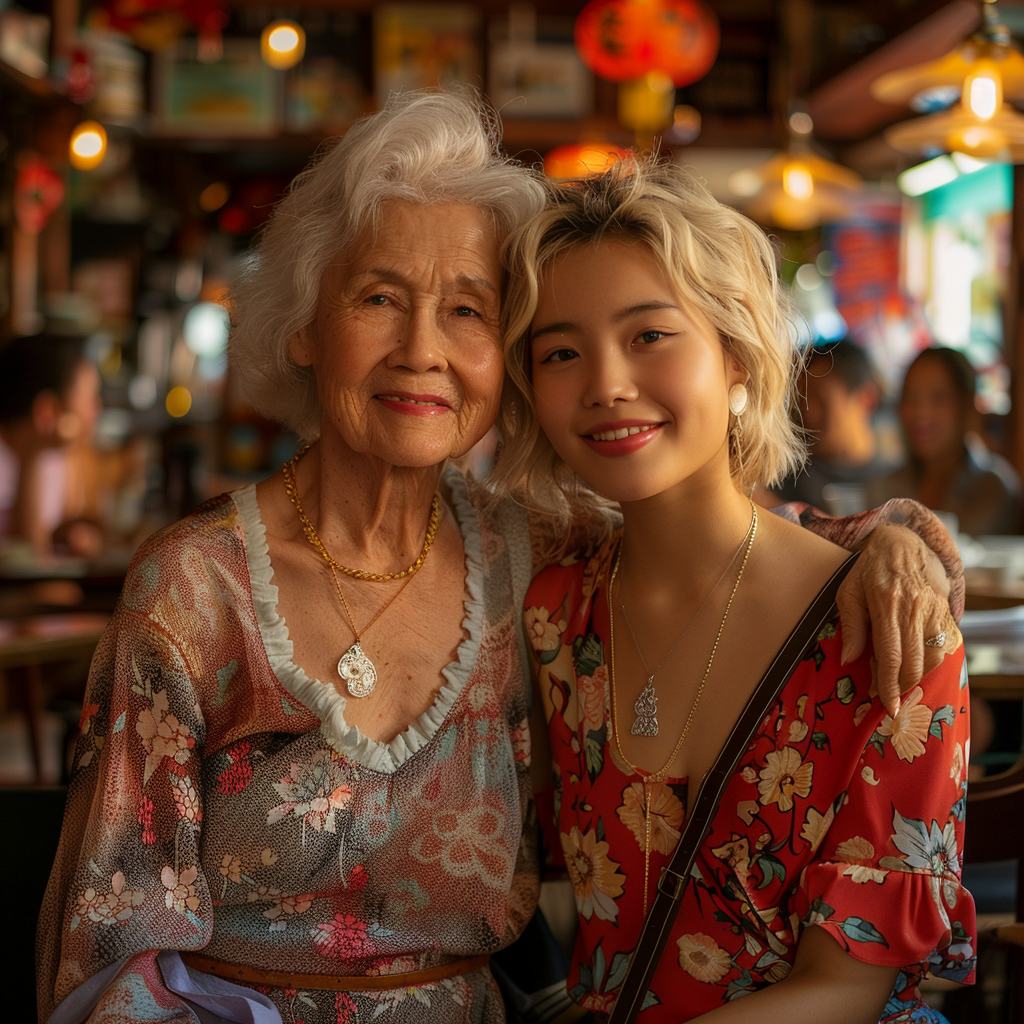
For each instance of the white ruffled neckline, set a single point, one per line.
(323, 699)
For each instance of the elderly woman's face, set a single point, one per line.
(406, 343)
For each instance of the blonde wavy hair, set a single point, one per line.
(722, 265)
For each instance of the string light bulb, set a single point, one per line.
(88, 145)
(282, 44)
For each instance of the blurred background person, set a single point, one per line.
(948, 468)
(840, 393)
(49, 407)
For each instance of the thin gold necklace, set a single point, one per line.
(288, 472)
(358, 671)
(646, 706)
(354, 666)
(662, 773)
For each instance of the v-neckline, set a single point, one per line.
(322, 699)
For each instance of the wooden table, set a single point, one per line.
(986, 590)
(27, 644)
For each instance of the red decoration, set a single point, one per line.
(625, 39)
(38, 191)
(156, 24)
(580, 160)
(81, 77)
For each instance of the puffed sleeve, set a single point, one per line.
(886, 878)
(127, 881)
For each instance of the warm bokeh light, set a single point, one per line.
(579, 161)
(797, 182)
(983, 90)
(178, 401)
(282, 44)
(213, 197)
(88, 145)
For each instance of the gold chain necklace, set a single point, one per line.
(662, 773)
(354, 666)
(288, 472)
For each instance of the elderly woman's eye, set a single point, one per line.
(377, 300)
(465, 311)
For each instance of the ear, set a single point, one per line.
(46, 410)
(870, 395)
(734, 371)
(302, 346)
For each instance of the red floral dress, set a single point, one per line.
(837, 816)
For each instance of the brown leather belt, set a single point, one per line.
(332, 982)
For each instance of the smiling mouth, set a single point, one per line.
(618, 435)
(411, 401)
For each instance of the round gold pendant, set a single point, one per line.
(358, 671)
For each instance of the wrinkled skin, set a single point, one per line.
(900, 587)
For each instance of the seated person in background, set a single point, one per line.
(840, 395)
(49, 406)
(948, 468)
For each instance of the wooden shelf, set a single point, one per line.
(39, 87)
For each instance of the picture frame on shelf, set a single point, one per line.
(238, 96)
(418, 46)
(539, 80)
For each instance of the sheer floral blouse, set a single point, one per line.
(220, 801)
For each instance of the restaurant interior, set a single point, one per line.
(143, 144)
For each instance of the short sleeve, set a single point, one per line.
(127, 880)
(886, 879)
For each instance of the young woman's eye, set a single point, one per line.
(560, 355)
(647, 337)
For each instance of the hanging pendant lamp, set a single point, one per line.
(800, 189)
(983, 70)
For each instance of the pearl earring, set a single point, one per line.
(737, 399)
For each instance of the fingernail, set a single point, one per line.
(844, 655)
(896, 707)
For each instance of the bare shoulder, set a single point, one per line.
(795, 561)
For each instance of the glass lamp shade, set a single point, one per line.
(1000, 137)
(801, 190)
(949, 72)
(622, 40)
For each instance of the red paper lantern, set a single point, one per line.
(624, 39)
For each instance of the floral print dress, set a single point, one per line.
(837, 816)
(220, 801)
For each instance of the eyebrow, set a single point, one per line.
(562, 326)
(462, 281)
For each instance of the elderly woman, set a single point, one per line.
(303, 782)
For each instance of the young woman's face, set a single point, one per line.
(932, 411)
(631, 385)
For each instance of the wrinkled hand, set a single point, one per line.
(897, 588)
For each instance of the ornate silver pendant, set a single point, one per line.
(358, 671)
(646, 708)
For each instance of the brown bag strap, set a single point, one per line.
(674, 878)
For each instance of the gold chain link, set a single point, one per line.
(288, 472)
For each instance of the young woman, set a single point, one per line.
(654, 358)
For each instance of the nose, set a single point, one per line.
(608, 381)
(421, 344)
